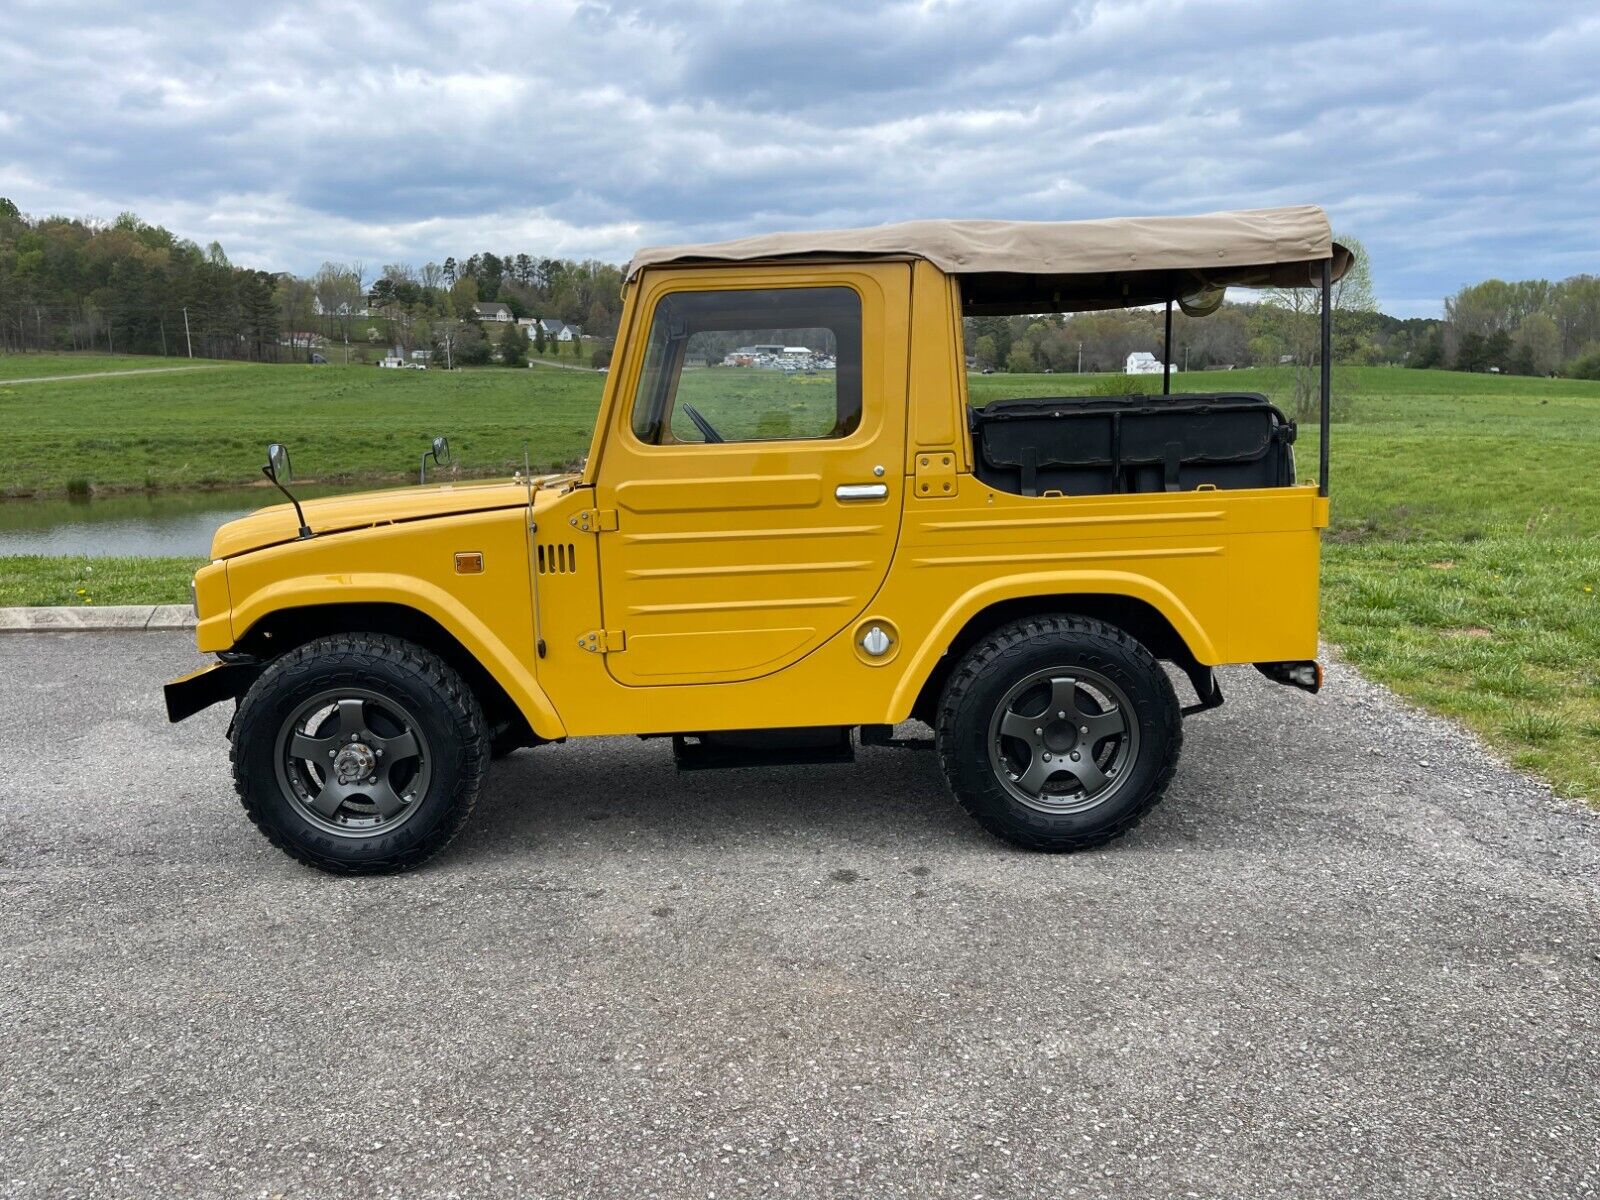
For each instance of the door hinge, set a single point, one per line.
(936, 474)
(594, 520)
(603, 641)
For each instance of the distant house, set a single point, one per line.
(493, 311)
(1142, 362)
(554, 331)
(392, 361)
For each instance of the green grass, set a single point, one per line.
(38, 366)
(1462, 566)
(30, 580)
(210, 428)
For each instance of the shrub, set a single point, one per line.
(1586, 367)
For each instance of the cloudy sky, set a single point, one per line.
(1458, 140)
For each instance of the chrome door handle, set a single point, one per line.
(861, 491)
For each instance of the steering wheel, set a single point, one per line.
(706, 428)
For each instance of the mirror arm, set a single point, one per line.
(305, 530)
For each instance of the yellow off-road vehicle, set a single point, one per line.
(792, 533)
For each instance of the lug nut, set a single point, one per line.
(1074, 756)
(1039, 732)
(1047, 758)
(333, 754)
(1062, 715)
(1084, 729)
(380, 753)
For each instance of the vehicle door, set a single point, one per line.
(750, 487)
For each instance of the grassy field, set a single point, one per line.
(1462, 565)
(210, 428)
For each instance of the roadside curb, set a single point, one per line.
(112, 617)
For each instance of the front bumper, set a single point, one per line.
(202, 688)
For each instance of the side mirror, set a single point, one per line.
(277, 468)
(439, 452)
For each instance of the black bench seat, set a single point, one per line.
(1105, 445)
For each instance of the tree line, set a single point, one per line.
(1529, 327)
(129, 287)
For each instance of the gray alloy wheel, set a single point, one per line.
(1061, 741)
(353, 763)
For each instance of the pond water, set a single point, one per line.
(140, 523)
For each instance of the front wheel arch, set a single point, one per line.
(286, 629)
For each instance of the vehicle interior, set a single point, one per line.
(1094, 445)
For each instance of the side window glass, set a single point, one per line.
(765, 365)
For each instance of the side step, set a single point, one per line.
(733, 749)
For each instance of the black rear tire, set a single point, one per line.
(326, 711)
(1023, 769)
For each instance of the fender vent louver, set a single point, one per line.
(558, 558)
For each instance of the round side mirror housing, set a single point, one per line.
(278, 463)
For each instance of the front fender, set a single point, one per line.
(409, 591)
(1045, 585)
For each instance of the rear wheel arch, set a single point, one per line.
(1138, 618)
(285, 629)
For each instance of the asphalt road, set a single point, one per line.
(1349, 956)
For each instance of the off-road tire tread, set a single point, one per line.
(429, 670)
(1029, 632)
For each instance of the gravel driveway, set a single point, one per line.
(1349, 956)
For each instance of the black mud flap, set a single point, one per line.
(202, 688)
(1204, 680)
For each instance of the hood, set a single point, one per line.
(362, 510)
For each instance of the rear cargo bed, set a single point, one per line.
(1103, 445)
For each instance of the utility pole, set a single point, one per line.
(186, 336)
(1080, 358)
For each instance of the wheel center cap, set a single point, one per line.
(1060, 736)
(353, 762)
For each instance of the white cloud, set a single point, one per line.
(1457, 141)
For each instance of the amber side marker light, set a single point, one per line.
(469, 562)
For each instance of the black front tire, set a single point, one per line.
(1137, 768)
(395, 677)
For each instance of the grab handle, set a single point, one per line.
(861, 491)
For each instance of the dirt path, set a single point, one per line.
(534, 362)
(110, 374)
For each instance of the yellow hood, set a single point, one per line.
(333, 514)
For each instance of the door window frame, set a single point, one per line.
(859, 278)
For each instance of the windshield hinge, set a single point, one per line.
(603, 641)
(594, 520)
(936, 475)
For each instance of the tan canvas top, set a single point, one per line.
(1263, 247)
